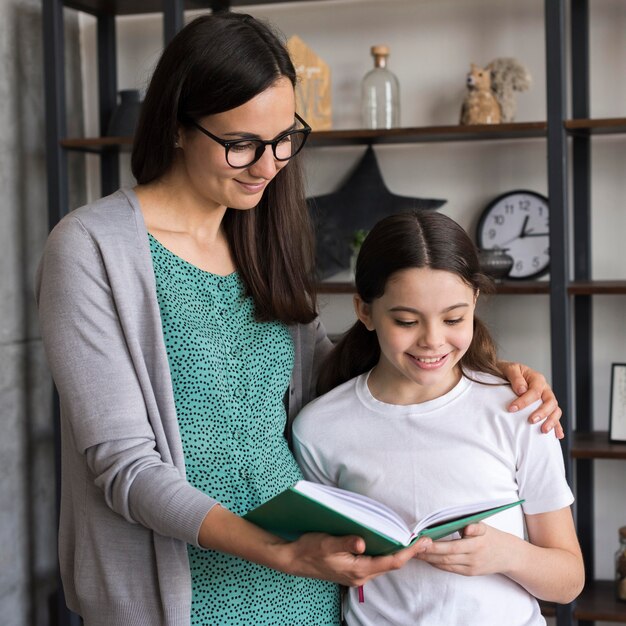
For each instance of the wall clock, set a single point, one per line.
(518, 221)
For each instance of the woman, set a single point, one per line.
(174, 327)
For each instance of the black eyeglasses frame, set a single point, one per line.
(228, 143)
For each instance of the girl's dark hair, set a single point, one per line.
(216, 63)
(414, 239)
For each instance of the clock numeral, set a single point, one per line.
(498, 219)
(524, 205)
(536, 262)
(491, 233)
(519, 266)
(509, 208)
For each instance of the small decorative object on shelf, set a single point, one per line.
(518, 221)
(313, 89)
(126, 114)
(380, 93)
(620, 566)
(361, 200)
(490, 97)
(617, 413)
(357, 240)
(495, 262)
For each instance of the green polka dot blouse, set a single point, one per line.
(229, 375)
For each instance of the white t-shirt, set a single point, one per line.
(460, 448)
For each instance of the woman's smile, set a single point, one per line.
(252, 188)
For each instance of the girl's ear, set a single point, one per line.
(363, 311)
(476, 294)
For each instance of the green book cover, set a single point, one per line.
(311, 507)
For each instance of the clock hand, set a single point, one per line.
(523, 233)
(531, 234)
(507, 242)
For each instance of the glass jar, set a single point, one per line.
(380, 93)
(620, 566)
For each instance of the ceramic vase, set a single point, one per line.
(495, 262)
(125, 116)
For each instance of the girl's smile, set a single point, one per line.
(424, 323)
(428, 363)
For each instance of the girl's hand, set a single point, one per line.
(482, 550)
(341, 559)
(530, 386)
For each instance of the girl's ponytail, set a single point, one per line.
(356, 353)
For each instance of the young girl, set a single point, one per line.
(417, 419)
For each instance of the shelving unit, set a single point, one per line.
(598, 601)
(568, 143)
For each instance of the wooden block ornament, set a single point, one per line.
(313, 101)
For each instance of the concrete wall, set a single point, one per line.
(27, 509)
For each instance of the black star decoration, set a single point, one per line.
(361, 201)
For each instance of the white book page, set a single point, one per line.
(454, 512)
(368, 512)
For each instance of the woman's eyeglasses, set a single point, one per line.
(245, 152)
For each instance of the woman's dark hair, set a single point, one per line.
(414, 239)
(216, 63)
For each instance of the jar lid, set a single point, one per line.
(622, 532)
(380, 50)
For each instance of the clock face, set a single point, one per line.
(518, 221)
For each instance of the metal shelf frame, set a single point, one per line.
(56, 159)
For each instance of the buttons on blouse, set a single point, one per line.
(240, 392)
(245, 473)
(235, 349)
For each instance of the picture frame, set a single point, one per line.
(617, 405)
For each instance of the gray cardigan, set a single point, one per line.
(127, 511)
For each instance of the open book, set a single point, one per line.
(312, 507)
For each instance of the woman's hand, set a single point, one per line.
(313, 555)
(530, 386)
(341, 559)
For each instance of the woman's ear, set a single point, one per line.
(363, 311)
(179, 137)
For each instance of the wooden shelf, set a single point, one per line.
(424, 134)
(597, 602)
(596, 445)
(97, 145)
(597, 287)
(503, 288)
(586, 127)
(530, 287)
(138, 7)
(362, 136)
